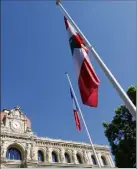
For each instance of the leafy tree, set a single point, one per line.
(121, 134)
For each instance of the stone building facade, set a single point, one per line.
(21, 147)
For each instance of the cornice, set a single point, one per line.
(45, 141)
(69, 142)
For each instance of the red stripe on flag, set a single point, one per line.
(88, 85)
(77, 120)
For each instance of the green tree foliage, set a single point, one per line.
(121, 134)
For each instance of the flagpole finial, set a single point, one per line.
(57, 2)
(66, 73)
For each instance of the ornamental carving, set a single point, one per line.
(2, 148)
(74, 157)
(48, 154)
(86, 160)
(62, 158)
(32, 154)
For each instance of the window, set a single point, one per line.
(67, 158)
(79, 159)
(13, 154)
(54, 157)
(40, 156)
(103, 160)
(94, 160)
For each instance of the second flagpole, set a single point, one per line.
(83, 121)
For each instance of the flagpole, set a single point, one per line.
(83, 120)
(128, 103)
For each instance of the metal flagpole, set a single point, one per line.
(128, 103)
(83, 120)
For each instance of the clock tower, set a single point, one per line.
(15, 121)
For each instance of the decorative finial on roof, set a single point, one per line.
(17, 108)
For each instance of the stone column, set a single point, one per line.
(89, 158)
(3, 149)
(28, 152)
(25, 125)
(74, 158)
(33, 153)
(62, 157)
(7, 123)
(108, 160)
(86, 158)
(49, 155)
(99, 157)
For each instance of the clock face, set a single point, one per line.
(16, 125)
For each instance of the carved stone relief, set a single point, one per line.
(47, 154)
(28, 149)
(62, 157)
(32, 152)
(74, 158)
(86, 159)
(2, 148)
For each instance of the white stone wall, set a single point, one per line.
(29, 150)
(29, 144)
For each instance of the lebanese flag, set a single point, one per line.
(75, 110)
(87, 79)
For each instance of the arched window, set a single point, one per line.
(94, 160)
(67, 158)
(79, 159)
(54, 157)
(40, 156)
(103, 160)
(13, 154)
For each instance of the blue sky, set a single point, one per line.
(36, 54)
